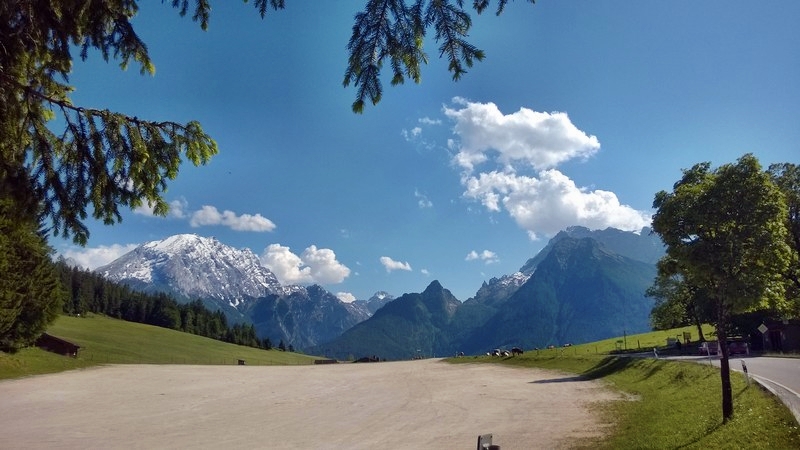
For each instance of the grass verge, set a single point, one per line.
(109, 341)
(673, 404)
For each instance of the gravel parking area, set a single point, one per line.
(393, 405)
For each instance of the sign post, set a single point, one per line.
(763, 329)
(744, 369)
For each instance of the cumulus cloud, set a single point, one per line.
(144, 210)
(312, 266)
(391, 264)
(539, 139)
(346, 297)
(177, 209)
(325, 269)
(92, 258)
(488, 256)
(209, 215)
(551, 202)
(523, 150)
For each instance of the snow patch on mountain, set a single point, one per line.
(192, 266)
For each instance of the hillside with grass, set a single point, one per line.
(105, 340)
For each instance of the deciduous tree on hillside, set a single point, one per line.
(725, 231)
(787, 177)
(677, 302)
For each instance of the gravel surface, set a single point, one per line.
(392, 405)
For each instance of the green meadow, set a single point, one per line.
(644, 342)
(110, 341)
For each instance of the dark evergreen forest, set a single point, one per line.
(88, 292)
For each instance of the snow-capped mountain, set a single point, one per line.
(375, 302)
(191, 267)
(499, 289)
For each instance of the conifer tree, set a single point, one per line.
(30, 289)
(93, 158)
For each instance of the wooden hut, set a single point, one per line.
(57, 345)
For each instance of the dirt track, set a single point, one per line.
(416, 404)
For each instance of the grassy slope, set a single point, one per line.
(104, 340)
(644, 342)
(672, 404)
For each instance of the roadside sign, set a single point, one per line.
(762, 328)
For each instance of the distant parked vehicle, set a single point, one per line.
(737, 348)
(712, 348)
(708, 348)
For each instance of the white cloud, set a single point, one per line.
(325, 269)
(552, 202)
(92, 258)
(410, 135)
(287, 267)
(538, 139)
(177, 209)
(346, 297)
(144, 210)
(488, 256)
(424, 272)
(523, 150)
(422, 200)
(391, 264)
(312, 266)
(209, 215)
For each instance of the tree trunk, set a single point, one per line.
(700, 337)
(724, 372)
(695, 317)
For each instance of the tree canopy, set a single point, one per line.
(73, 156)
(394, 31)
(726, 237)
(677, 302)
(787, 177)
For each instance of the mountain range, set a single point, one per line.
(191, 267)
(583, 285)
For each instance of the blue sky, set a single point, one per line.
(579, 114)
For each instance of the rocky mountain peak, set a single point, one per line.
(434, 288)
(191, 266)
